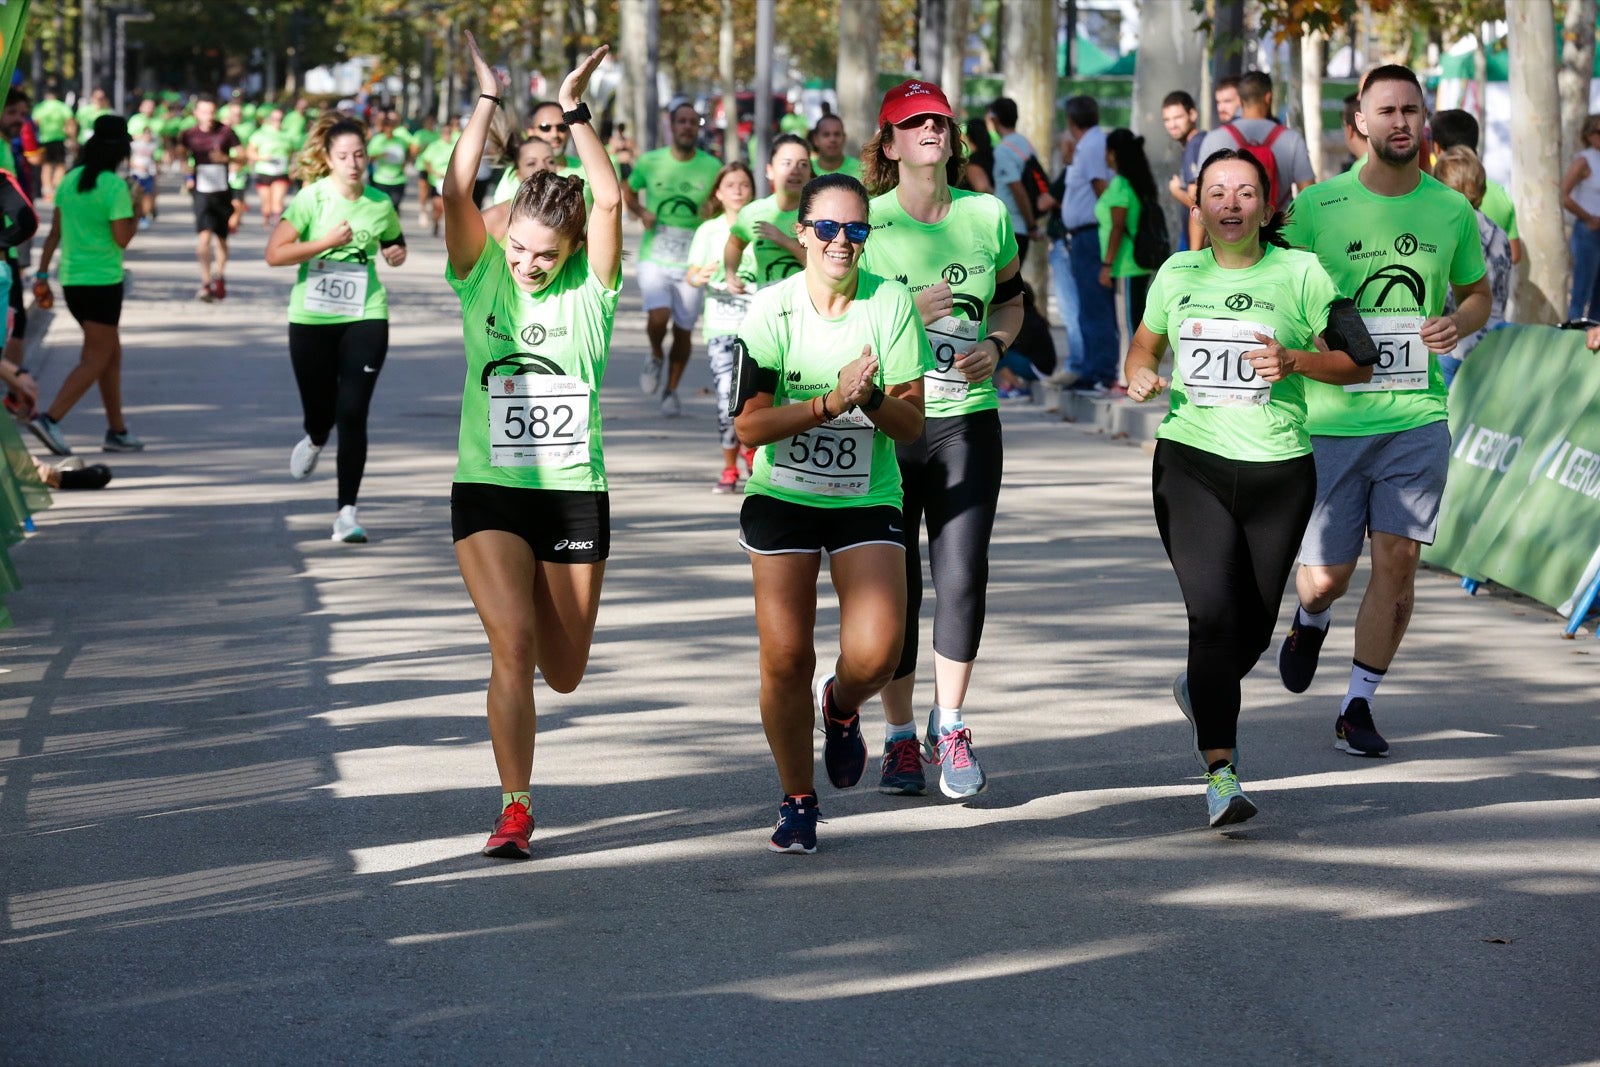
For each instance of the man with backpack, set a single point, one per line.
(1018, 178)
(1281, 150)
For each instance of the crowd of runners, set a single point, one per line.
(856, 320)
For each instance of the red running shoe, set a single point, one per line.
(219, 288)
(510, 838)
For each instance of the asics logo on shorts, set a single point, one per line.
(572, 546)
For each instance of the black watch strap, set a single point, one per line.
(875, 401)
(579, 114)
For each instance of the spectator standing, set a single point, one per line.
(1255, 126)
(1130, 193)
(980, 157)
(1181, 120)
(1091, 366)
(1011, 155)
(1580, 194)
(1225, 99)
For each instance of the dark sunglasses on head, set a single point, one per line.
(854, 232)
(546, 127)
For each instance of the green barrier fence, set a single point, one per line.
(1522, 504)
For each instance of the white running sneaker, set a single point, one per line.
(346, 528)
(650, 377)
(303, 460)
(670, 407)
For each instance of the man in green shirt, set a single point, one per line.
(676, 181)
(98, 104)
(1452, 128)
(1395, 241)
(52, 116)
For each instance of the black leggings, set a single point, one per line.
(336, 367)
(1231, 529)
(951, 477)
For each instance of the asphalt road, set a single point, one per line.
(244, 775)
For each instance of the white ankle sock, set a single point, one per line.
(1363, 683)
(944, 719)
(1319, 621)
(898, 731)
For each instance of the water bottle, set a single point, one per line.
(41, 292)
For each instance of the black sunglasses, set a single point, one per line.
(854, 232)
(546, 127)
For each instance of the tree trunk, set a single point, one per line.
(1029, 63)
(552, 23)
(1227, 56)
(1577, 67)
(1171, 54)
(88, 34)
(730, 88)
(1480, 76)
(1311, 62)
(1535, 180)
(952, 64)
(857, 81)
(930, 37)
(761, 139)
(630, 91)
(650, 102)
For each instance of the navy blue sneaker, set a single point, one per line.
(844, 751)
(797, 825)
(902, 769)
(1297, 656)
(959, 772)
(1355, 732)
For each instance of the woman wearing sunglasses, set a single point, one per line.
(830, 378)
(957, 253)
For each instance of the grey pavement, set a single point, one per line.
(244, 774)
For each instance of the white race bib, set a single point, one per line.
(725, 311)
(835, 459)
(1212, 366)
(949, 337)
(336, 287)
(1402, 357)
(538, 420)
(273, 166)
(671, 245)
(211, 178)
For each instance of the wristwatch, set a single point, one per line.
(576, 115)
(875, 401)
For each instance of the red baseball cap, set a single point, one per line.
(913, 98)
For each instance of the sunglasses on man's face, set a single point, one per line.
(854, 232)
(546, 127)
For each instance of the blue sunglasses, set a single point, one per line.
(855, 232)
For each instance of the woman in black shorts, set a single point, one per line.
(93, 224)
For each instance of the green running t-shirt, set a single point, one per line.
(274, 150)
(89, 254)
(388, 152)
(967, 249)
(341, 285)
(1498, 207)
(847, 462)
(773, 261)
(850, 166)
(724, 311)
(435, 159)
(51, 116)
(530, 407)
(1397, 257)
(674, 191)
(1210, 314)
(1119, 193)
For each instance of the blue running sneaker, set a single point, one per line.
(1297, 656)
(797, 826)
(959, 772)
(844, 750)
(1354, 731)
(1226, 803)
(1180, 693)
(902, 769)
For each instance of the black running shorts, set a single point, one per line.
(560, 525)
(100, 304)
(772, 527)
(212, 211)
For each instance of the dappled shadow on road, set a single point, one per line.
(245, 776)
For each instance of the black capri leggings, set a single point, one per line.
(1232, 530)
(336, 367)
(951, 477)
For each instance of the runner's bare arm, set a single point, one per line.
(731, 254)
(1274, 363)
(761, 423)
(900, 416)
(630, 196)
(1473, 304)
(285, 249)
(464, 234)
(1142, 362)
(1005, 322)
(604, 235)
